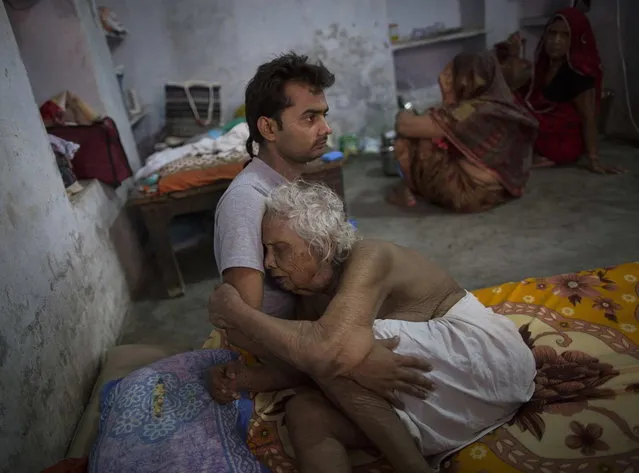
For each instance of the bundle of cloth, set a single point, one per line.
(196, 164)
(64, 152)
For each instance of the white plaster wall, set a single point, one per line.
(417, 69)
(501, 20)
(537, 8)
(410, 14)
(63, 293)
(350, 38)
(63, 48)
(105, 77)
(222, 41)
(147, 54)
(55, 52)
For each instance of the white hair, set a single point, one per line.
(316, 214)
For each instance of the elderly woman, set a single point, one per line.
(360, 291)
(473, 152)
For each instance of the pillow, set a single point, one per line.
(119, 362)
(162, 418)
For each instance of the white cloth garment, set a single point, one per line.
(482, 369)
(233, 142)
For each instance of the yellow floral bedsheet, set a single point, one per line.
(583, 330)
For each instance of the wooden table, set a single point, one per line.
(158, 210)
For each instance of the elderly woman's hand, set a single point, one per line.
(223, 384)
(387, 373)
(221, 302)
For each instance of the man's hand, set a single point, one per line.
(220, 302)
(386, 373)
(222, 383)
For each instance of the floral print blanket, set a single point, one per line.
(583, 330)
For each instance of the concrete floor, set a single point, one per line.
(568, 220)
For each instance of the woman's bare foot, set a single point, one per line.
(541, 162)
(401, 196)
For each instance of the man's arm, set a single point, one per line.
(249, 283)
(239, 252)
(336, 343)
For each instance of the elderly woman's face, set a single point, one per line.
(288, 260)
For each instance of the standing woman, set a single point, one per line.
(564, 92)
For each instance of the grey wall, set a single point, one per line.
(63, 290)
(409, 14)
(225, 41)
(147, 54)
(54, 51)
(63, 48)
(603, 17)
(222, 41)
(417, 69)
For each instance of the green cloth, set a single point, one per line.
(236, 121)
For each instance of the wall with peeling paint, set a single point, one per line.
(410, 14)
(63, 290)
(222, 41)
(63, 48)
(55, 66)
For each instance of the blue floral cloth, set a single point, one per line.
(161, 418)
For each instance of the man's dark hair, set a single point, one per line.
(265, 95)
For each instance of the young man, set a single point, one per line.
(286, 115)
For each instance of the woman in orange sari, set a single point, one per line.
(472, 153)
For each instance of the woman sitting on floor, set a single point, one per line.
(473, 152)
(358, 291)
(564, 92)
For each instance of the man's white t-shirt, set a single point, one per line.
(238, 230)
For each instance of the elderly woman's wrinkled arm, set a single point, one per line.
(331, 346)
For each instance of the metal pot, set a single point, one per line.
(387, 152)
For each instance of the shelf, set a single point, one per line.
(135, 119)
(114, 39)
(457, 36)
(537, 22)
